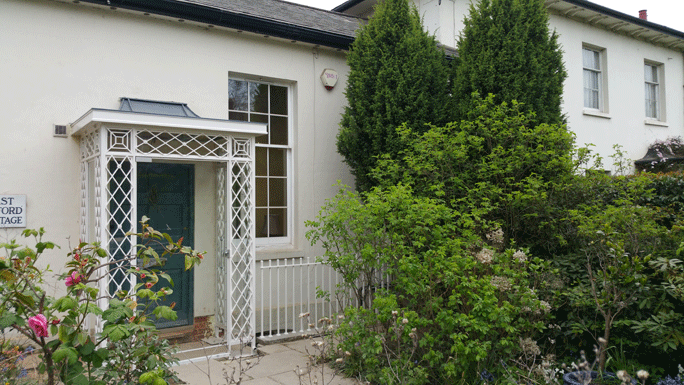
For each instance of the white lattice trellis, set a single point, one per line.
(108, 207)
(195, 146)
(241, 258)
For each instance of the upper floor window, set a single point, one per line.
(268, 103)
(652, 86)
(593, 79)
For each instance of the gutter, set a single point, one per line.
(222, 18)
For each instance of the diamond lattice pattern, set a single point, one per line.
(241, 260)
(185, 145)
(119, 222)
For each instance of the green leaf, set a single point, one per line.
(79, 380)
(115, 332)
(87, 348)
(82, 338)
(115, 314)
(63, 333)
(68, 353)
(26, 300)
(65, 303)
(145, 293)
(7, 319)
(165, 312)
(167, 277)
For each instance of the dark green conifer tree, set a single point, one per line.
(397, 75)
(506, 49)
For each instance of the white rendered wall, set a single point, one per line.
(625, 120)
(61, 59)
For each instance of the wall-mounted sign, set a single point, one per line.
(329, 78)
(12, 210)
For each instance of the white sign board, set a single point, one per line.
(12, 211)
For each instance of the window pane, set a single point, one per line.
(261, 161)
(277, 194)
(279, 100)
(271, 223)
(590, 59)
(651, 73)
(261, 223)
(261, 192)
(260, 118)
(591, 89)
(237, 95)
(277, 220)
(276, 162)
(259, 97)
(278, 130)
(238, 116)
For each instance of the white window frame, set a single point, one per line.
(602, 79)
(658, 84)
(284, 241)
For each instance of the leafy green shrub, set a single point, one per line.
(495, 168)
(469, 300)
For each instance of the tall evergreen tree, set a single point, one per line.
(397, 75)
(506, 49)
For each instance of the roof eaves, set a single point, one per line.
(224, 18)
(627, 18)
(346, 5)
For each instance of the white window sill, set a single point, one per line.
(652, 122)
(282, 253)
(596, 113)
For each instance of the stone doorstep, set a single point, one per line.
(176, 333)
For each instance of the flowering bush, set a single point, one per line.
(75, 355)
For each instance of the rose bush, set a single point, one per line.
(70, 353)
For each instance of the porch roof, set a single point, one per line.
(99, 115)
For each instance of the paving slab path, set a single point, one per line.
(277, 365)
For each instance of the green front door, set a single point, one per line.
(166, 197)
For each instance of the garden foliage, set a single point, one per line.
(397, 75)
(465, 302)
(506, 49)
(127, 350)
(496, 168)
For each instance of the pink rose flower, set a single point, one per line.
(38, 324)
(72, 280)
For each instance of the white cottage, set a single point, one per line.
(625, 74)
(217, 119)
(210, 117)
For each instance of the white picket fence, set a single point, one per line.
(286, 288)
